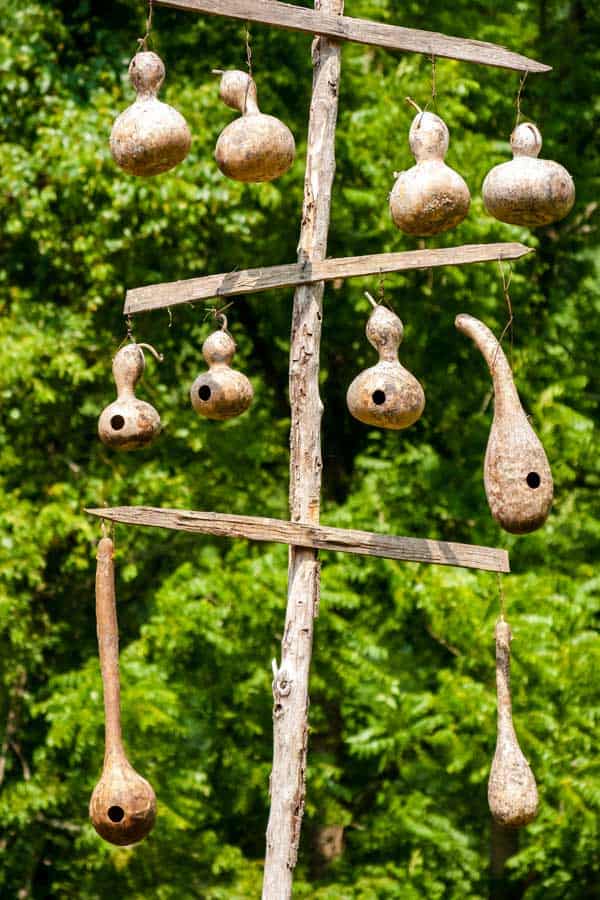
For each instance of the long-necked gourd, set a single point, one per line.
(256, 147)
(517, 476)
(527, 190)
(149, 137)
(430, 197)
(129, 423)
(386, 395)
(123, 804)
(221, 392)
(512, 791)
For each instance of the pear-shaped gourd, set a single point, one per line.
(221, 393)
(129, 423)
(386, 395)
(123, 804)
(527, 190)
(517, 476)
(512, 791)
(430, 197)
(149, 137)
(255, 147)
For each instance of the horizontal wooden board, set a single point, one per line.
(249, 281)
(361, 31)
(319, 537)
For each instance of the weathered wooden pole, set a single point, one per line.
(290, 684)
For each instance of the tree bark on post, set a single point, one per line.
(290, 684)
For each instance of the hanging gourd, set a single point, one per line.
(386, 395)
(149, 137)
(123, 804)
(512, 791)
(255, 147)
(129, 423)
(517, 476)
(430, 197)
(527, 190)
(222, 392)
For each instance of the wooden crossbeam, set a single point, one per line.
(361, 31)
(318, 537)
(249, 281)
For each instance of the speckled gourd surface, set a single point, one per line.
(222, 392)
(123, 804)
(128, 423)
(256, 147)
(149, 137)
(512, 791)
(517, 476)
(386, 395)
(430, 197)
(527, 190)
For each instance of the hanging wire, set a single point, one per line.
(502, 597)
(509, 325)
(519, 95)
(433, 99)
(248, 48)
(143, 41)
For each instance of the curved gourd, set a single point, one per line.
(517, 476)
(512, 791)
(123, 804)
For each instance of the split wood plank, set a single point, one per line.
(249, 281)
(317, 537)
(361, 31)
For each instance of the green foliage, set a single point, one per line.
(402, 692)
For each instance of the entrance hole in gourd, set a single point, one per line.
(116, 814)
(204, 392)
(533, 480)
(117, 422)
(378, 397)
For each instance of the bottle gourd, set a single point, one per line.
(517, 476)
(129, 423)
(512, 791)
(430, 197)
(255, 147)
(123, 804)
(527, 190)
(222, 392)
(149, 137)
(386, 395)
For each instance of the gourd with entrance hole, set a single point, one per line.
(149, 137)
(129, 423)
(222, 392)
(255, 147)
(527, 190)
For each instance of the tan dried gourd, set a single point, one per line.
(430, 197)
(512, 791)
(129, 423)
(149, 137)
(255, 147)
(386, 395)
(222, 392)
(517, 476)
(123, 804)
(527, 190)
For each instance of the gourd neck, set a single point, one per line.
(506, 397)
(108, 647)
(503, 638)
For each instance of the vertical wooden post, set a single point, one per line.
(290, 684)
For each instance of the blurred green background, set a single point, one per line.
(402, 690)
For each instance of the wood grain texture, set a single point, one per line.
(249, 281)
(361, 31)
(318, 537)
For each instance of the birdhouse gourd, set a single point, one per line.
(517, 476)
(129, 423)
(222, 392)
(149, 137)
(512, 791)
(255, 147)
(527, 190)
(386, 395)
(123, 804)
(430, 197)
